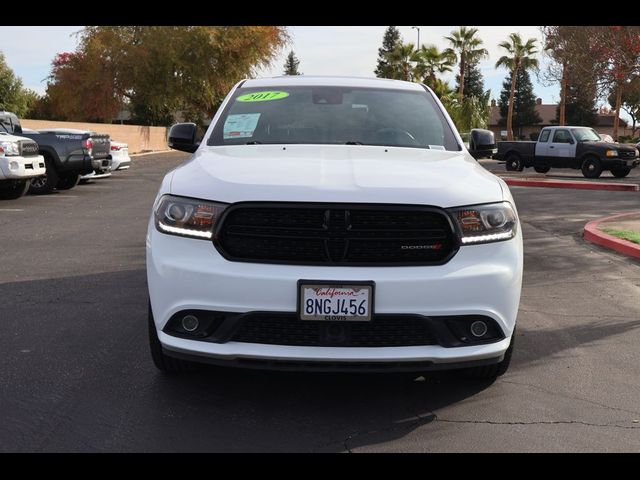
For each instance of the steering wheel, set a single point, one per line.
(404, 133)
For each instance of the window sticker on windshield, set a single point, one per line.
(240, 125)
(437, 147)
(262, 96)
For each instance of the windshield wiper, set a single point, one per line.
(253, 142)
(353, 143)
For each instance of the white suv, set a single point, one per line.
(333, 223)
(19, 163)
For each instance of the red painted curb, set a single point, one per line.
(594, 235)
(623, 187)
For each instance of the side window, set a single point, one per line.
(544, 136)
(562, 136)
(5, 125)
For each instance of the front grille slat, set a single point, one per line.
(283, 329)
(28, 148)
(336, 234)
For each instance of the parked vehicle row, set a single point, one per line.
(580, 148)
(44, 160)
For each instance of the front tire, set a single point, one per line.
(490, 372)
(13, 189)
(45, 183)
(514, 163)
(591, 167)
(163, 362)
(68, 182)
(620, 172)
(542, 169)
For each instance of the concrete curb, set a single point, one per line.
(594, 235)
(623, 187)
(149, 153)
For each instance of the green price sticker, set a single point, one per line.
(262, 96)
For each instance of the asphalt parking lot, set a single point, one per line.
(76, 373)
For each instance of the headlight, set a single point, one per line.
(187, 217)
(9, 148)
(612, 153)
(485, 223)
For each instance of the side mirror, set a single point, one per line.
(482, 143)
(182, 136)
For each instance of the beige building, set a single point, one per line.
(547, 113)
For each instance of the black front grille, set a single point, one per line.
(627, 154)
(381, 331)
(28, 148)
(336, 234)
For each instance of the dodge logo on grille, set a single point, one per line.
(435, 246)
(337, 223)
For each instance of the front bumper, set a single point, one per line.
(19, 168)
(326, 365)
(613, 162)
(190, 274)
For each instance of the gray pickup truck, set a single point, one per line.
(68, 154)
(579, 148)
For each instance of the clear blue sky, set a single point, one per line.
(332, 50)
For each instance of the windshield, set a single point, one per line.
(333, 115)
(586, 135)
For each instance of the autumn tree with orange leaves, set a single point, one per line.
(157, 71)
(81, 89)
(616, 50)
(609, 56)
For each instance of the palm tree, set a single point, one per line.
(519, 55)
(431, 61)
(443, 91)
(465, 48)
(401, 61)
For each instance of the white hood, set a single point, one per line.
(7, 137)
(335, 173)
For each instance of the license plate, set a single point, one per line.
(336, 302)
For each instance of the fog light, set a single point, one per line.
(190, 323)
(14, 165)
(478, 328)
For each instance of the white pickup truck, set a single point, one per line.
(19, 163)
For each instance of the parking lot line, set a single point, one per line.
(11, 209)
(55, 196)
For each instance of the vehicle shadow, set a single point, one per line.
(77, 376)
(534, 346)
(309, 412)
